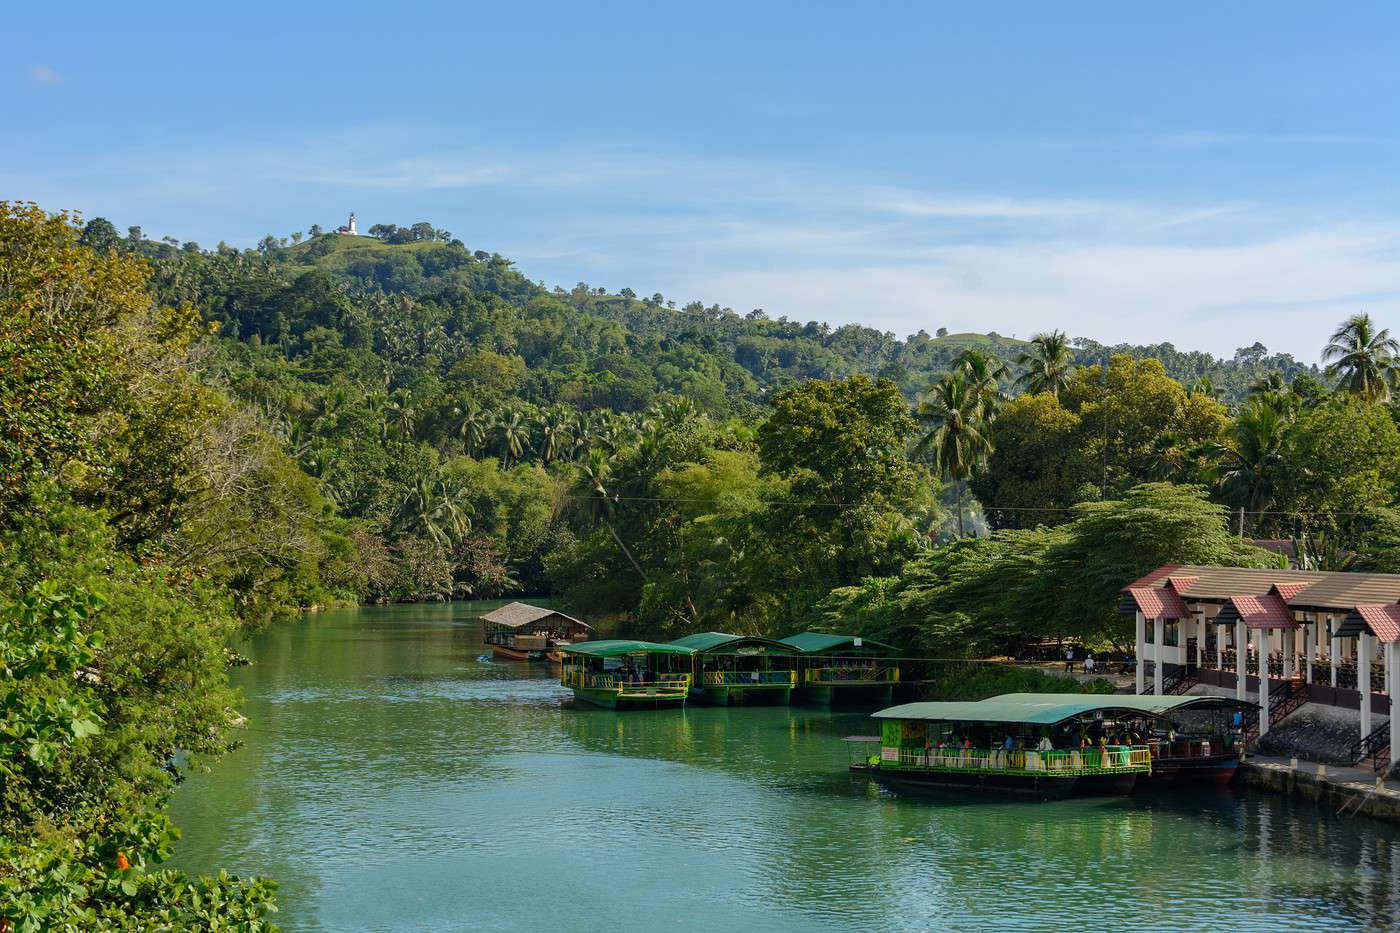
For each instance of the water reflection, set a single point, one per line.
(393, 781)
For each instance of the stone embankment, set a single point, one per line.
(1348, 791)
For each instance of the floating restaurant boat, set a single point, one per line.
(842, 669)
(1055, 749)
(740, 669)
(622, 674)
(521, 632)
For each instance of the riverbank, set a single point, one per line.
(1347, 791)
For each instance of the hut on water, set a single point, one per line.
(521, 632)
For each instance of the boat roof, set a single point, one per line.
(1048, 709)
(812, 642)
(611, 647)
(517, 614)
(719, 641)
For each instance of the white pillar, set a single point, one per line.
(1241, 659)
(1392, 651)
(1220, 647)
(1263, 682)
(1141, 650)
(1200, 640)
(1385, 665)
(1336, 649)
(1309, 632)
(1363, 680)
(1159, 653)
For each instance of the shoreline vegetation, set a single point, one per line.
(195, 442)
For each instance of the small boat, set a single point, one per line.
(521, 632)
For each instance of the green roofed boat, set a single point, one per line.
(1045, 745)
(623, 674)
(740, 669)
(843, 669)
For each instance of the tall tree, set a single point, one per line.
(1363, 359)
(1047, 362)
(984, 372)
(1248, 466)
(955, 431)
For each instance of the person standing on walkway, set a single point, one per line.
(1069, 660)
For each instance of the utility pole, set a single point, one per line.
(1241, 522)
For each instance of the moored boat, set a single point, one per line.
(623, 674)
(740, 669)
(837, 670)
(1026, 744)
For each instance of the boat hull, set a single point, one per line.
(839, 694)
(1106, 785)
(1215, 769)
(1037, 787)
(742, 696)
(609, 699)
(516, 654)
(1164, 772)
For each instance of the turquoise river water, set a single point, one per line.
(392, 781)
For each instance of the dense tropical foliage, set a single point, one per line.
(195, 441)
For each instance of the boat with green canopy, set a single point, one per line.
(740, 669)
(843, 669)
(624, 674)
(1045, 745)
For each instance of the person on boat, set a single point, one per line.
(1045, 745)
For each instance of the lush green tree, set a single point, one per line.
(1343, 459)
(1249, 466)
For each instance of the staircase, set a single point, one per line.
(1374, 747)
(1284, 700)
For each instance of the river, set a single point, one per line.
(390, 780)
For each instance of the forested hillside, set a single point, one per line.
(195, 441)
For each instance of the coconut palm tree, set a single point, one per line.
(984, 373)
(1048, 362)
(513, 435)
(473, 424)
(556, 436)
(954, 436)
(593, 488)
(1363, 359)
(401, 414)
(1269, 383)
(436, 509)
(1249, 466)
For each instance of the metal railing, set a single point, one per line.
(852, 674)
(1375, 746)
(641, 685)
(1066, 762)
(748, 678)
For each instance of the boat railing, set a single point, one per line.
(748, 678)
(645, 684)
(1124, 758)
(851, 674)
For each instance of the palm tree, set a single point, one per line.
(1249, 466)
(1204, 386)
(984, 373)
(436, 509)
(514, 437)
(955, 431)
(556, 436)
(1362, 359)
(473, 424)
(1270, 383)
(1048, 363)
(401, 414)
(593, 488)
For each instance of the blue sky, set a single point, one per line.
(1206, 174)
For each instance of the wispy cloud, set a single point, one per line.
(43, 75)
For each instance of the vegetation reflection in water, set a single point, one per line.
(392, 781)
